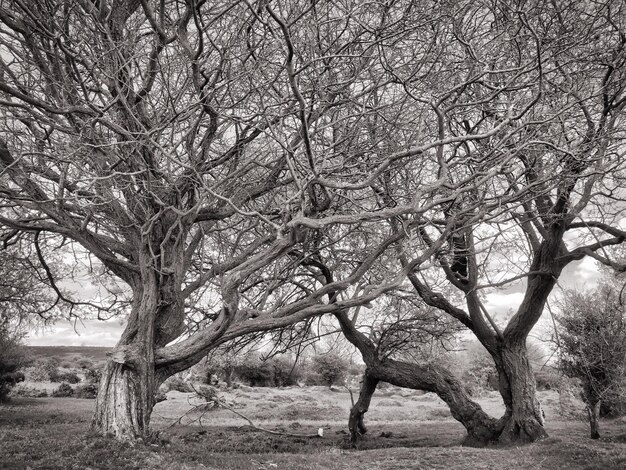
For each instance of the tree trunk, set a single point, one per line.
(593, 410)
(355, 422)
(481, 428)
(525, 419)
(124, 402)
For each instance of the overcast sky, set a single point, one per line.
(581, 275)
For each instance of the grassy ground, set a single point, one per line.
(420, 434)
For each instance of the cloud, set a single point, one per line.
(581, 275)
(85, 333)
(498, 302)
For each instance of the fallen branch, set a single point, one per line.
(320, 431)
(217, 402)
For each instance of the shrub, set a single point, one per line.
(220, 365)
(547, 379)
(64, 390)
(178, 384)
(51, 363)
(37, 373)
(331, 367)
(12, 358)
(84, 363)
(593, 349)
(255, 372)
(284, 372)
(479, 379)
(89, 390)
(28, 392)
(69, 377)
(93, 375)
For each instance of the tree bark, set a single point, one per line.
(355, 423)
(481, 428)
(593, 410)
(126, 394)
(524, 419)
(124, 402)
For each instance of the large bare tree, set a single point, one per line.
(200, 152)
(566, 156)
(208, 154)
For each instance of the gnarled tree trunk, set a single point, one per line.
(524, 418)
(125, 401)
(481, 428)
(355, 422)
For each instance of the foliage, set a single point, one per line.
(285, 371)
(12, 358)
(178, 384)
(278, 371)
(592, 340)
(69, 377)
(84, 363)
(23, 390)
(255, 372)
(93, 375)
(37, 373)
(64, 390)
(547, 378)
(331, 367)
(88, 390)
(219, 365)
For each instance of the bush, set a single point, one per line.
(37, 373)
(89, 390)
(84, 363)
(593, 350)
(69, 377)
(479, 379)
(12, 358)
(51, 363)
(178, 384)
(28, 392)
(547, 379)
(64, 390)
(93, 375)
(220, 365)
(331, 368)
(284, 372)
(255, 372)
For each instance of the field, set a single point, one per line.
(68, 353)
(407, 430)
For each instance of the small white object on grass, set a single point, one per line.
(320, 432)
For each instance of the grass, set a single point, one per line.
(49, 433)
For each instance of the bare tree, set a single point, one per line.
(565, 156)
(201, 152)
(206, 152)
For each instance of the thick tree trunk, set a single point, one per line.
(481, 428)
(355, 422)
(524, 419)
(124, 402)
(593, 410)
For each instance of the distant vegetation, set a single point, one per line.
(94, 353)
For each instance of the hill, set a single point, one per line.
(69, 353)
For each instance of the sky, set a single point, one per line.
(581, 275)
